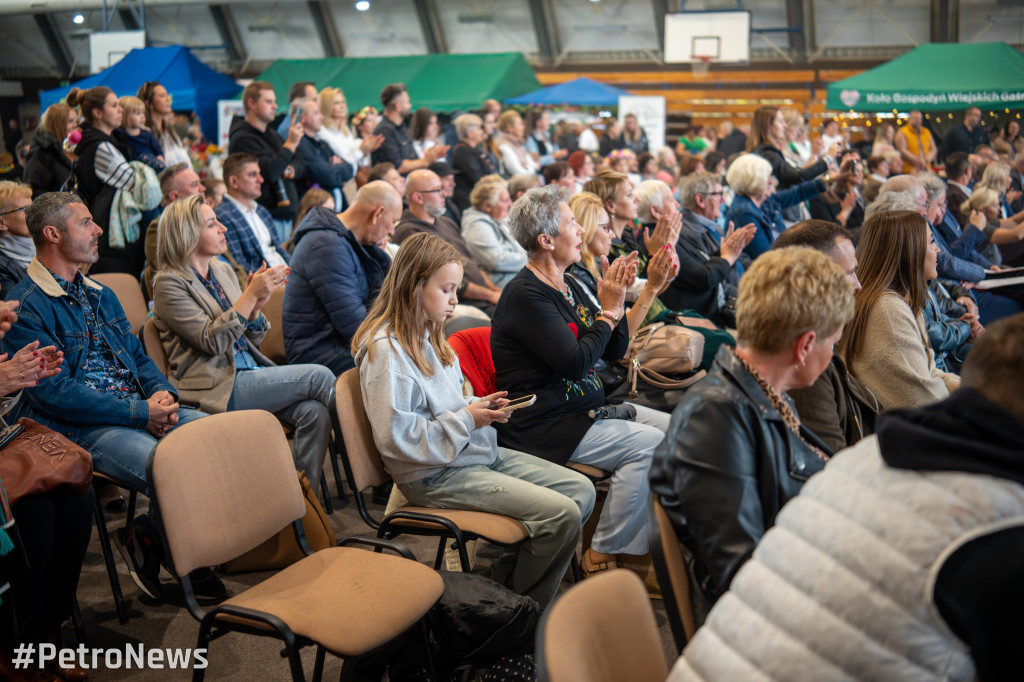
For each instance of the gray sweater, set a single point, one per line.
(420, 424)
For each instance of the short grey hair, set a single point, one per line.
(694, 184)
(51, 208)
(933, 186)
(891, 201)
(650, 193)
(536, 213)
(465, 122)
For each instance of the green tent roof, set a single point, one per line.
(441, 82)
(937, 77)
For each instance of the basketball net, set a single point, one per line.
(701, 65)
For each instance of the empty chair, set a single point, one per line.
(602, 630)
(226, 483)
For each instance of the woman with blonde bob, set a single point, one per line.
(439, 446)
(886, 346)
(736, 451)
(485, 229)
(210, 331)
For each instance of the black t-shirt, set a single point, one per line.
(397, 145)
(543, 345)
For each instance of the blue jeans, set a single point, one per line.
(551, 501)
(283, 229)
(297, 395)
(626, 449)
(122, 452)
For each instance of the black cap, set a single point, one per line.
(442, 169)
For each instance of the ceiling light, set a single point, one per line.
(78, 19)
(363, 5)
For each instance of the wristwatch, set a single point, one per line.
(608, 315)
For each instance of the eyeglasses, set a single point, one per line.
(430, 191)
(719, 193)
(15, 210)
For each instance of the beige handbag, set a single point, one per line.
(659, 349)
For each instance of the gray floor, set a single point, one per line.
(233, 657)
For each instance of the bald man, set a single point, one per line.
(338, 266)
(424, 192)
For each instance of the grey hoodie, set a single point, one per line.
(420, 424)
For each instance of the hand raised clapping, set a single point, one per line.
(28, 367)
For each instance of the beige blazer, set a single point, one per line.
(896, 362)
(199, 338)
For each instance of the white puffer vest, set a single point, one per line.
(841, 588)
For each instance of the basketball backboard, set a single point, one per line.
(721, 37)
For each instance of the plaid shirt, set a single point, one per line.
(242, 242)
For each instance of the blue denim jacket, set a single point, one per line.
(64, 403)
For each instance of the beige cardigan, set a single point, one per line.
(199, 337)
(896, 361)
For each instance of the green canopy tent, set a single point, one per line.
(442, 82)
(937, 77)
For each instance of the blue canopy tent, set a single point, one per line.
(581, 92)
(193, 86)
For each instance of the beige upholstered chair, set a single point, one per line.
(129, 295)
(224, 484)
(366, 470)
(602, 630)
(273, 342)
(670, 568)
(150, 338)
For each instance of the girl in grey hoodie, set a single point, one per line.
(438, 445)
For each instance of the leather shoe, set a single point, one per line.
(590, 567)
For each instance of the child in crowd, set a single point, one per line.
(142, 142)
(215, 189)
(439, 446)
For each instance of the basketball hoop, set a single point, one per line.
(701, 65)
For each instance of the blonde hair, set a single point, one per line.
(748, 175)
(586, 207)
(398, 304)
(10, 190)
(465, 122)
(980, 199)
(55, 120)
(995, 178)
(326, 104)
(177, 235)
(486, 191)
(605, 184)
(130, 105)
(507, 120)
(788, 292)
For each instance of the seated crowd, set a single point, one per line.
(836, 292)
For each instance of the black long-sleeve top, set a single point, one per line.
(542, 345)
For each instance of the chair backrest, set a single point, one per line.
(223, 484)
(670, 568)
(602, 630)
(363, 457)
(273, 342)
(473, 346)
(129, 295)
(150, 338)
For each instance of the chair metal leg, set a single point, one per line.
(202, 642)
(318, 665)
(108, 558)
(295, 663)
(333, 456)
(325, 493)
(79, 622)
(440, 553)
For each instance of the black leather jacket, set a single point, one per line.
(727, 465)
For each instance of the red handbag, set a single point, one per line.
(39, 460)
